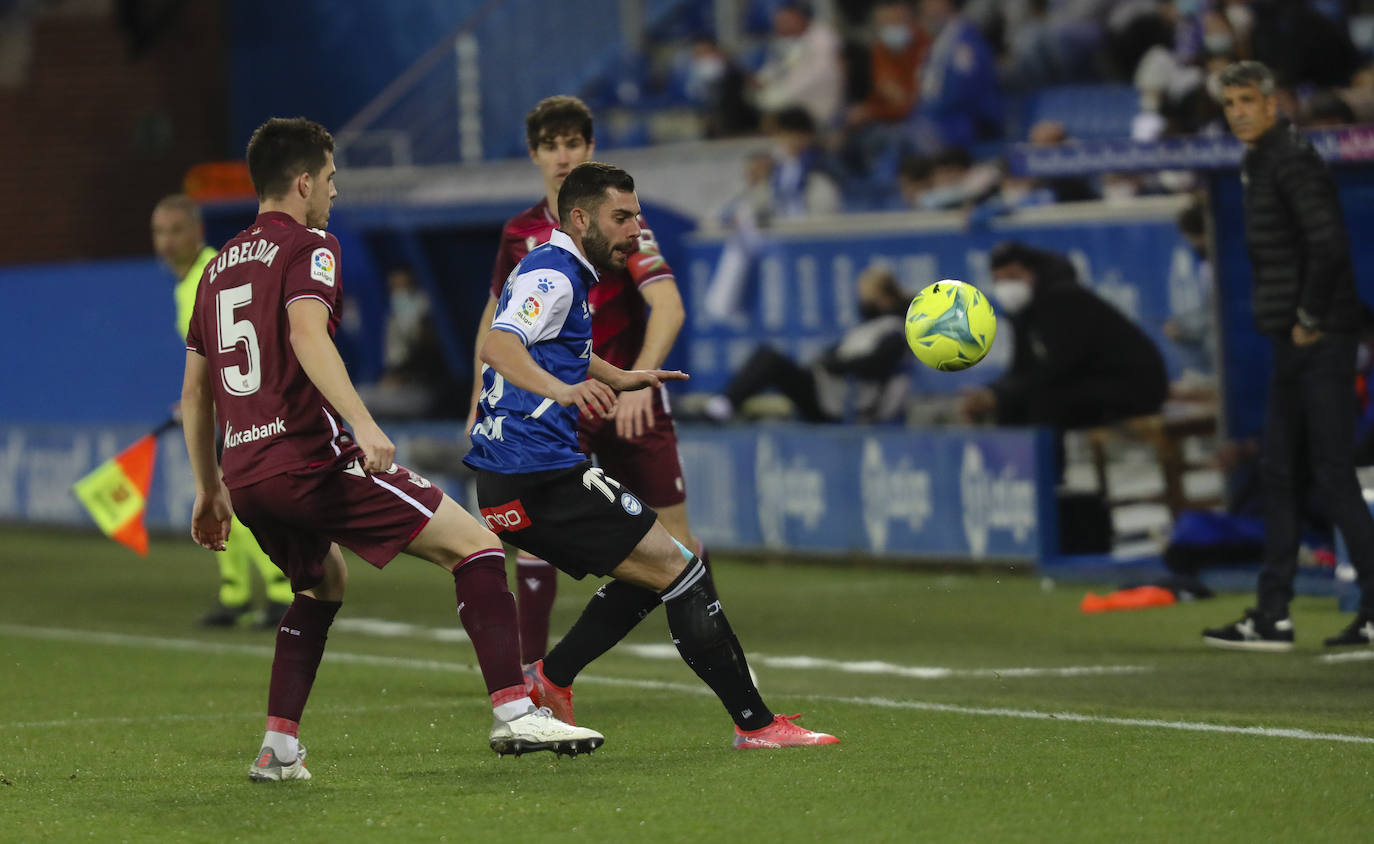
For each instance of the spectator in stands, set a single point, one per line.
(1360, 95)
(801, 183)
(1300, 45)
(1077, 361)
(896, 51)
(955, 182)
(1305, 299)
(792, 182)
(1017, 192)
(959, 102)
(416, 376)
(717, 85)
(870, 360)
(875, 135)
(1193, 329)
(913, 178)
(803, 67)
(1051, 133)
(1325, 109)
(1049, 43)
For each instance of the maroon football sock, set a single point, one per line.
(536, 586)
(487, 609)
(300, 645)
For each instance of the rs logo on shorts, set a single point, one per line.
(510, 516)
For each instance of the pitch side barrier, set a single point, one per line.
(953, 495)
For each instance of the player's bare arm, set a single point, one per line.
(635, 412)
(504, 352)
(211, 513)
(479, 337)
(627, 380)
(320, 359)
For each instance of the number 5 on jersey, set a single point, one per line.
(238, 380)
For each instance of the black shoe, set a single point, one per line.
(1360, 632)
(1254, 632)
(272, 615)
(223, 616)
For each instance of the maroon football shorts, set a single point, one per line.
(649, 464)
(295, 516)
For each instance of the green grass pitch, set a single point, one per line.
(120, 721)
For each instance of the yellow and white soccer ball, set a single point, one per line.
(950, 325)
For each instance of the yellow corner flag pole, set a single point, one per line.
(116, 492)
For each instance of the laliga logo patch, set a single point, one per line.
(631, 504)
(322, 266)
(530, 309)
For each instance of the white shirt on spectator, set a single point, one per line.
(806, 73)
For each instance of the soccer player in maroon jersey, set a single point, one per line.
(636, 315)
(261, 358)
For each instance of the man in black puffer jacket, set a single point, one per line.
(1305, 300)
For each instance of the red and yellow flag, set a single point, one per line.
(116, 493)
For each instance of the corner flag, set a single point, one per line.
(115, 492)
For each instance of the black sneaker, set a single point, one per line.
(1254, 632)
(223, 616)
(1360, 632)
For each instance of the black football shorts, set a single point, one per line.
(578, 519)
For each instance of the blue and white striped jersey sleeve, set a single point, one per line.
(539, 303)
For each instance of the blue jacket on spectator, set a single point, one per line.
(960, 102)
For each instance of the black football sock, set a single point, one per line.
(610, 615)
(707, 644)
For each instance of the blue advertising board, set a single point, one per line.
(944, 494)
(949, 494)
(801, 294)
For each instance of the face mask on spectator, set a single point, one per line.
(895, 36)
(1219, 43)
(708, 69)
(1013, 294)
(1187, 7)
(703, 74)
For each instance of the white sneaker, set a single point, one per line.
(268, 768)
(537, 729)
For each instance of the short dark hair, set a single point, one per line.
(586, 186)
(557, 116)
(180, 202)
(283, 148)
(1248, 73)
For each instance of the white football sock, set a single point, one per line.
(286, 747)
(512, 710)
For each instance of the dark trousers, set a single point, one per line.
(768, 368)
(1309, 443)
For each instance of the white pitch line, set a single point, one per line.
(173, 717)
(163, 643)
(1352, 656)
(919, 672)
(1079, 718)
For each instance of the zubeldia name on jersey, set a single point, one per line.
(241, 253)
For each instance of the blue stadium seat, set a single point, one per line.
(1088, 112)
